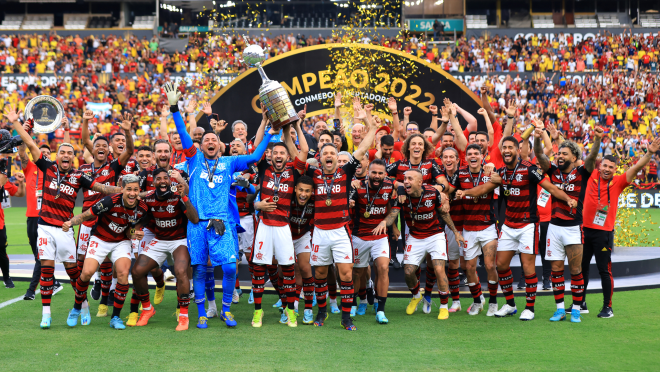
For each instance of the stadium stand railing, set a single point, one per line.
(12, 22)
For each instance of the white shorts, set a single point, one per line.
(417, 249)
(99, 250)
(245, 239)
(55, 244)
(364, 250)
(83, 238)
(558, 238)
(330, 246)
(454, 251)
(273, 241)
(522, 240)
(148, 237)
(475, 240)
(161, 250)
(303, 244)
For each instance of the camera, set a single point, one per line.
(8, 143)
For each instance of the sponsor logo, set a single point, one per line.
(116, 228)
(384, 252)
(290, 258)
(346, 258)
(527, 248)
(71, 257)
(166, 223)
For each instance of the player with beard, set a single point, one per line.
(273, 238)
(302, 222)
(168, 213)
(110, 238)
(105, 172)
(372, 200)
(422, 210)
(331, 239)
(518, 182)
(60, 186)
(479, 228)
(216, 233)
(565, 236)
(454, 251)
(118, 142)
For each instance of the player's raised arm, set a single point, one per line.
(173, 96)
(87, 142)
(643, 161)
(544, 162)
(11, 113)
(126, 126)
(459, 138)
(364, 114)
(590, 161)
(486, 105)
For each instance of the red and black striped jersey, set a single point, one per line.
(114, 218)
(147, 178)
(302, 218)
(245, 208)
(167, 218)
(428, 166)
(107, 174)
(574, 185)
(330, 206)
(59, 195)
(478, 213)
(455, 205)
(378, 201)
(284, 182)
(130, 167)
(519, 190)
(423, 219)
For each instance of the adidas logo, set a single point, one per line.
(115, 215)
(53, 185)
(71, 257)
(384, 252)
(291, 258)
(346, 258)
(466, 180)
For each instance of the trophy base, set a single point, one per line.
(278, 125)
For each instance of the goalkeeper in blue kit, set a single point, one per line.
(215, 235)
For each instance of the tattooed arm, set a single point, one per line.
(450, 223)
(388, 221)
(544, 162)
(77, 220)
(106, 189)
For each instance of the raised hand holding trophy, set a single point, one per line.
(272, 94)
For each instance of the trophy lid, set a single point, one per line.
(253, 55)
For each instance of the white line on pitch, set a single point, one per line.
(7, 303)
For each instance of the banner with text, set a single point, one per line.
(50, 79)
(640, 199)
(311, 77)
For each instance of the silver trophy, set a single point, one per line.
(272, 94)
(46, 113)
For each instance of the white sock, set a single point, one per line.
(370, 284)
(455, 302)
(443, 306)
(184, 315)
(146, 308)
(295, 305)
(93, 279)
(576, 307)
(418, 295)
(191, 283)
(114, 284)
(560, 306)
(333, 301)
(212, 304)
(85, 304)
(46, 310)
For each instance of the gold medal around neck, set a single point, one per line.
(366, 215)
(476, 200)
(507, 192)
(276, 199)
(412, 223)
(328, 202)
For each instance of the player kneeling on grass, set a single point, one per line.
(169, 210)
(422, 208)
(111, 238)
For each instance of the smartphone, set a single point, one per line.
(216, 117)
(337, 124)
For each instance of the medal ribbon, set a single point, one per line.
(419, 203)
(208, 169)
(370, 204)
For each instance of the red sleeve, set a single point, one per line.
(621, 183)
(11, 188)
(299, 165)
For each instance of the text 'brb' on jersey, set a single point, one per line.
(378, 200)
(302, 218)
(59, 195)
(284, 182)
(520, 192)
(114, 218)
(574, 185)
(330, 206)
(107, 174)
(477, 212)
(423, 220)
(168, 216)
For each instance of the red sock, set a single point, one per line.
(577, 288)
(46, 282)
(346, 290)
(430, 281)
(557, 278)
(120, 296)
(332, 290)
(415, 290)
(475, 289)
(454, 284)
(184, 302)
(238, 284)
(506, 283)
(321, 288)
(289, 285)
(159, 279)
(308, 292)
(444, 297)
(531, 281)
(258, 281)
(81, 293)
(73, 273)
(144, 299)
(492, 290)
